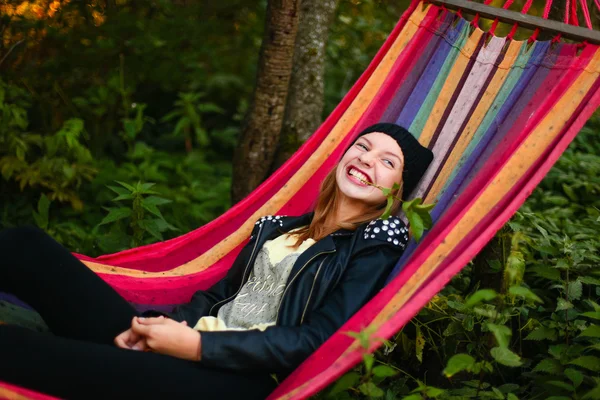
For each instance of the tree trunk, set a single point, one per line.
(255, 153)
(306, 95)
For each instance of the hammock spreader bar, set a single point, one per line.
(526, 21)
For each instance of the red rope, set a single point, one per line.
(574, 18)
(506, 5)
(567, 11)
(475, 21)
(536, 32)
(525, 9)
(597, 4)
(586, 13)
(547, 9)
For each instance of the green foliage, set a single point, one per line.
(141, 213)
(57, 164)
(418, 214)
(188, 112)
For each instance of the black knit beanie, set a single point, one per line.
(416, 157)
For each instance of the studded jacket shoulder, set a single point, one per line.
(328, 283)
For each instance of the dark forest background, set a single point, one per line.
(125, 122)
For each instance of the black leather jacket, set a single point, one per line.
(328, 283)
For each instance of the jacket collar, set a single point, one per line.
(323, 246)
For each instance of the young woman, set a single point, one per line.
(291, 287)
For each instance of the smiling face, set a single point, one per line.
(375, 158)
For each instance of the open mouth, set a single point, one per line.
(359, 175)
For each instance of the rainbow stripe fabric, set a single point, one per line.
(497, 115)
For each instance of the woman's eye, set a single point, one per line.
(388, 162)
(362, 146)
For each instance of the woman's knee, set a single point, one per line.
(23, 248)
(23, 236)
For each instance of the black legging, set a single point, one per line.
(79, 360)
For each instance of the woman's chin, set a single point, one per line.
(357, 194)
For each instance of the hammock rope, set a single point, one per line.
(471, 97)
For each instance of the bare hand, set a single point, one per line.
(166, 336)
(131, 340)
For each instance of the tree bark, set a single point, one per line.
(255, 153)
(306, 97)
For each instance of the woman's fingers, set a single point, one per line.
(120, 342)
(140, 345)
(139, 328)
(125, 340)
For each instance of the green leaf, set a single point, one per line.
(424, 207)
(126, 185)
(549, 365)
(574, 290)
(504, 356)
(468, 323)
(151, 227)
(419, 344)
(511, 396)
(369, 389)
(458, 363)
(120, 197)
(589, 280)
(595, 346)
(498, 393)
(558, 350)
(116, 214)
(363, 337)
(508, 387)
(591, 314)
(542, 333)
(591, 331)
(41, 217)
(570, 192)
(388, 208)
(416, 226)
(408, 205)
(525, 293)
(152, 208)
(588, 362)
(156, 201)
(545, 272)
(558, 398)
(119, 190)
(575, 376)
(479, 296)
(562, 304)
(456, 305)
(501, 332)
(415, 396)
(452, 329)
(369, 359)
(593, 394)
(383, 371)
(344, 383)
(427, 221)
(433, 392)
(562, 385)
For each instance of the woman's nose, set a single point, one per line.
(366, 158)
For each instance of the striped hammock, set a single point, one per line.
(496, 112)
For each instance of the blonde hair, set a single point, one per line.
(327, 204)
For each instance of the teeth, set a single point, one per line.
(362, 177)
